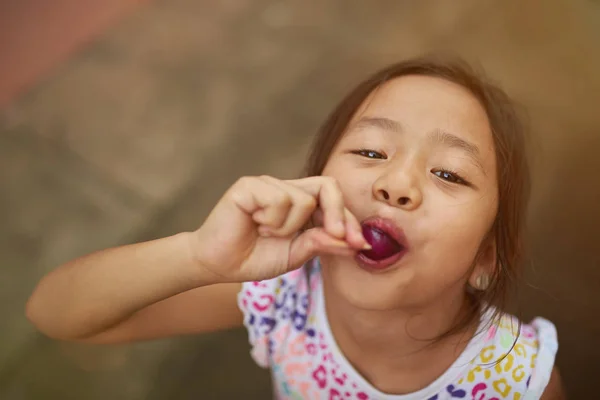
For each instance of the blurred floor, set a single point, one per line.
(138, 135)
(36, 36)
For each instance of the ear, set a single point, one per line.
(485, 264)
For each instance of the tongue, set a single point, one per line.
(383, 246)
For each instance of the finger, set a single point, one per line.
(354, 235)
(314, 242)
(303, 206)
(327, 192)
(266, 203)
(276, 205)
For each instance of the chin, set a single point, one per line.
(363, 289)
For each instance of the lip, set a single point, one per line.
(391, 229)
(380, 265)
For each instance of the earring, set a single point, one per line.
(482, 282)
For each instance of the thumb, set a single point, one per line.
(313, 242)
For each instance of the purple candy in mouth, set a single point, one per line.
(383, 246)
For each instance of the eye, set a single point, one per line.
(450, 176)
(370, 154)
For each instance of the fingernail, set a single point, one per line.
(367, 246)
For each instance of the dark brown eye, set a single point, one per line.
(370, 154)
(450, 176)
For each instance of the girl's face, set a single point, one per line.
(418, 152)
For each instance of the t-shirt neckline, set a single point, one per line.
(448, 377)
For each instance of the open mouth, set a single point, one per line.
(387, 241)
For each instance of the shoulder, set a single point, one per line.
(269, 296)
(542, 334)
(524, 354)
(275, 308)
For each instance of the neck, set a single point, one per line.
(399, 342)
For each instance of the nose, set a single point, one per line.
(399, 188)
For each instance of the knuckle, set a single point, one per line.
(308, 202)
(332, 180)
(312, 242)
(245, 181)
(329, 180)
(282, 199)
(332, 183)
(266, 177)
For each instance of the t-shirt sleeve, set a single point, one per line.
(545, 357)
(271, 309)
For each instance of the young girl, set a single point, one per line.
(381, 275)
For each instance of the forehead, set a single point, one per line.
(423, 104)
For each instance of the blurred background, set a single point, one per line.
(122, 121)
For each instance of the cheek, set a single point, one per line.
(355, 188)
(468, 217)
(455, 234)
(464, 227)
(357, 197)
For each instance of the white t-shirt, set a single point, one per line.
(290, 334)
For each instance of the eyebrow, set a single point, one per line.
(451, 140)
(385, 124)
(438, 136)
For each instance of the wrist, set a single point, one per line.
(203, 275)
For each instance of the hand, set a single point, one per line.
(255, 231)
